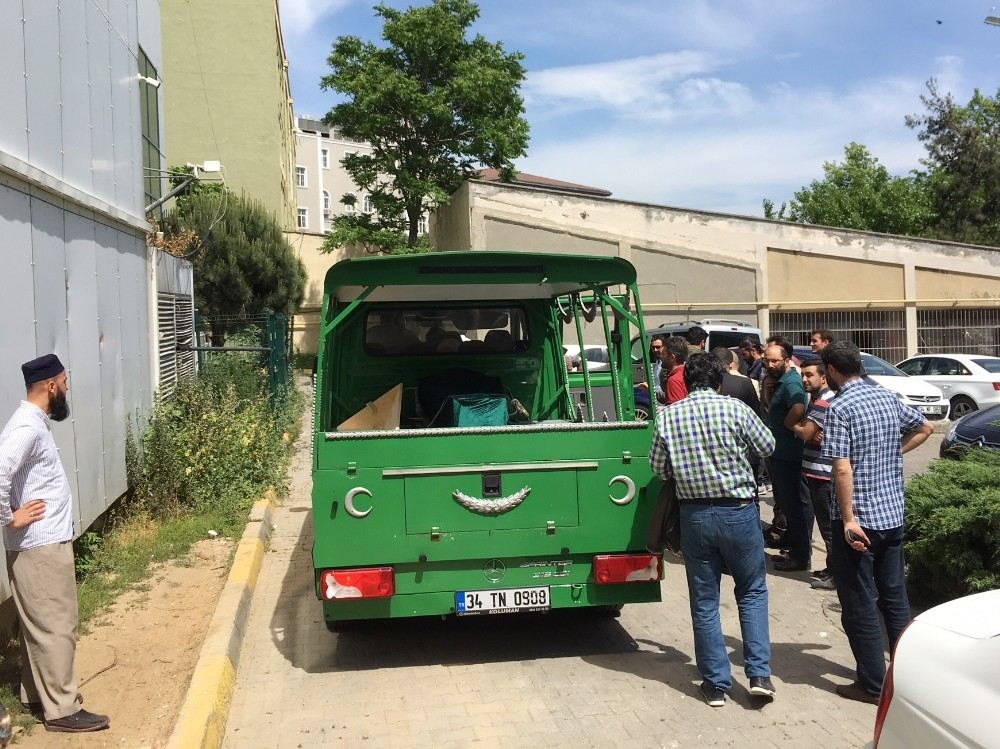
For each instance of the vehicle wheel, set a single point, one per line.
(641, 413)
(962, 405)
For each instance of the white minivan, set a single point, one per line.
(728, 333)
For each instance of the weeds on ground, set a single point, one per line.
(203, 457)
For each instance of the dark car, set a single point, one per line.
(977, 429)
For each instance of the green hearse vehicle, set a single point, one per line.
(458, 468)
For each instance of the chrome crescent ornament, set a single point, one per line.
(349, 502)
(491, 506)
(629, 490)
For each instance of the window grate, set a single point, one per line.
(972, 330)
(879, 332)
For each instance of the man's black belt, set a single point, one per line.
(717, 502)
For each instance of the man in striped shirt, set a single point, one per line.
(36, 511)
(816, 469)
(705, 442)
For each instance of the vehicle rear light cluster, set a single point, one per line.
(364, 582)
(996, 385)
(883, 705)
(611, 569)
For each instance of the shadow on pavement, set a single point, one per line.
(300, 635)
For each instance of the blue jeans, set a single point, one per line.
(711, 536)
(870, 582)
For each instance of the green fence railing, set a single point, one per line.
(266, 335)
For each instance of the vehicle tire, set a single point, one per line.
(641, 413)
(960, 406)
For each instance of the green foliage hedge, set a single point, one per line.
(953, 527)
(215, 444)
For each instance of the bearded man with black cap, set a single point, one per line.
(36, 511)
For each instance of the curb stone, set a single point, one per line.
(202, 720)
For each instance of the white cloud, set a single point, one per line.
(299, 17)
(727, 146)
(616, 83)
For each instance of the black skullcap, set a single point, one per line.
(42, 368)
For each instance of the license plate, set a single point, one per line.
(930, 409)
(501, 600)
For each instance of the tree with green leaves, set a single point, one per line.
(435, 106)
(963, 164)
(242, 262)
(859, 193)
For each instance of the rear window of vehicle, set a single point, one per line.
(990, 365)
(441, 331)
(729, 339)
(875, 366)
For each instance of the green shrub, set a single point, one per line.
(215, 444)
(953, 527)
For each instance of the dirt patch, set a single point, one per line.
(136, 661)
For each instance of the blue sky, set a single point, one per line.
(697, 104)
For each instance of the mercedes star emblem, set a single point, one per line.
(494, 570)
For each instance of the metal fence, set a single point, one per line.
(879, 332)
(265, 336)
(973, 330)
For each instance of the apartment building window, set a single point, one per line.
(303, 218)
(324, 157)
(326, 203)
(300, 176)
(369, 206)
(352, 207)
(152, 156)
(422, 224)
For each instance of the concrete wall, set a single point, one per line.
(228, 97)
(697, 264)
(305, 322)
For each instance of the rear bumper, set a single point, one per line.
(442, 603)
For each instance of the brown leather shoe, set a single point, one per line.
(79, 722)
(854, 691)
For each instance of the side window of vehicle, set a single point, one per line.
(914, 366)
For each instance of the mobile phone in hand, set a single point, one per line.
(852, 537)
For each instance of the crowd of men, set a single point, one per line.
(831, 443)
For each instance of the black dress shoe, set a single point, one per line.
(79, 722)
(787, 564)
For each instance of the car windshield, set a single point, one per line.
(875, 366)
(990, 365)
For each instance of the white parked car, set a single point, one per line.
(598, 359)
(913, 391)
(970, 382)
(942, 688)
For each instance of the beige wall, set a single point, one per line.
(305, 324)
(227, 95)
(698, 264)
(941, 288)
(797, 278)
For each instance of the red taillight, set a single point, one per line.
(887, 687)
(366, 582)
(996, 385)
(610, 569)
(883, 705)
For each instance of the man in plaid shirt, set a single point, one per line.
(705, 442)
(867, 430)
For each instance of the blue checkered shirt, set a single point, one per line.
(864, 424)
(704, 441)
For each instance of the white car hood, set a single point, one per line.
(975, 616)
(908, 386)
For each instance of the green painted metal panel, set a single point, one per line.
(411, 498)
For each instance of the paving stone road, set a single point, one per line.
(562, 680)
